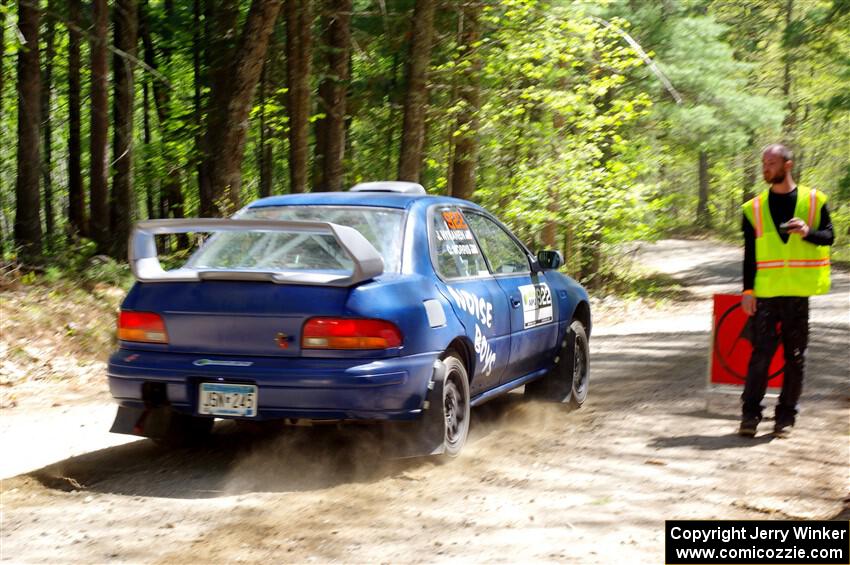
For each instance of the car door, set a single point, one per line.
(476, 297)
(532, 310)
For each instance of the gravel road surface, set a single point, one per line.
(536, 483)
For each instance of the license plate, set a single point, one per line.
(225, 399)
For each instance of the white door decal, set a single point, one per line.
(536, 304)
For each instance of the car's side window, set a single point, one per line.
(503, 253)
(455, 251)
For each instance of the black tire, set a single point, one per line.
(580, 361)
(261, 427)
(567, 381)
(456, 407)
(185, 431)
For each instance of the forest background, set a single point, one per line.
(582, 125)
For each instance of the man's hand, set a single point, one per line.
(798, 226)
(748, 304)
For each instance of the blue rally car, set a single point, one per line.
(377, 304)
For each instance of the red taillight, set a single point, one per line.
(349, 333)
(141, 326)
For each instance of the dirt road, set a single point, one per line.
(535, 483)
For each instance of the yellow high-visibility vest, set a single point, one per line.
(796, 268)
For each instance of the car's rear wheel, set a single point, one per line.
(567, 381)
(456, 407)
(185, 431)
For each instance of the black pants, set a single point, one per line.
(792, 313)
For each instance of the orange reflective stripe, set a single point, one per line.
(757, 215)
(813, 201)
(794, 263)
(803, 263)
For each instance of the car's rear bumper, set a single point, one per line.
(315, 389)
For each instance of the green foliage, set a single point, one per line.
(578, 139)
(553, 123)
(80, 262)
(638, 285)
(843, 192)
(103, 269)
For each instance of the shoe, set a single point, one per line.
(782, 429)
(748, 427)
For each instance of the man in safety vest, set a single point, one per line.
(787, 234)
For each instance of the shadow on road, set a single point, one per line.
(710, 415)
(230, 462)
(711, 273)
(235, 461)
(710, 443)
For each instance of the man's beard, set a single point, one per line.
(777, 178)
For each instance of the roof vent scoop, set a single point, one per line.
(389, 186)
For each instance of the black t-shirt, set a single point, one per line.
(781, 210)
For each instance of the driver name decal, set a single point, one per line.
(453, 235)
(536, 304)
(458, 241)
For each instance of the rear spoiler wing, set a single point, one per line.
(144, 259)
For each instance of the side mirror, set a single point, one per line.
(550, 259)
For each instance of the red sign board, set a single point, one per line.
(731, 345)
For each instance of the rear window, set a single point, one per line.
(382, 227)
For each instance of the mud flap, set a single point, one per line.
(158, 423)
(126, 420)
(425, 436)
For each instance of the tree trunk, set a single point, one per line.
(220, 30)
(98, 159)
(570, 263)
(800, 153)
(2, 52)
(47, 129)
(703, 218)
(76, 196)
(799, 165)
(173, 179)
(750, 170)
(201, 81)
(4, 226)
(789, 123)
(125, 15)
(389, 147)
(330, 145)
(591, 247)
(416, 99)
(228, 122)
(550, 228)
(264, 148)
(171, 194)
(27, 205)
(554, 204)
(299, 39)
(591, 259)
(146, 133)
(465, 136)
